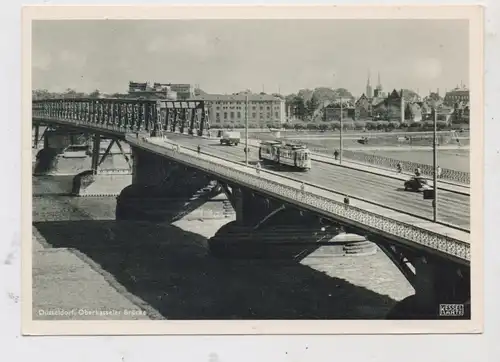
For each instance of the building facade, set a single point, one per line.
(334, 111)
(183, 91)
(155, 91)
(229, 110)
(364, 107)
(457, 95)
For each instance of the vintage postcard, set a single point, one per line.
(252, 170)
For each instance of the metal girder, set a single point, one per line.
(124, 154)
(268, 216)
(117, 115)
(95, 152)
(397, 256)
(225, 188)
(106, 153)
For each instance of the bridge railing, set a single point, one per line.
(124, 115)
(322, 205)
(408, 166)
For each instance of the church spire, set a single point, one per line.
(368, 86)
(379, 85)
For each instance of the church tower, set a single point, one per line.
(379, 83)
(378, 89)
(369, 93)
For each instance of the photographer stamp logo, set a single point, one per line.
(451, 310)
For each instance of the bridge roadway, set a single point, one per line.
(453, 208)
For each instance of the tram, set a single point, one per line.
(294, 155)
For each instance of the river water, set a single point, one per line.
(167, 269)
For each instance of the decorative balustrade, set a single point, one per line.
(125, 115)
(407, 166)
(320, 204)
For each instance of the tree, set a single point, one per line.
(381, 111)
(323, 94)
(409, 95)
(42, 94)
(95, 94)
(342, 92)
(323, 126)
(311, 105)
(305, 94)
(299, 107)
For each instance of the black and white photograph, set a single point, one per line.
(271, 169)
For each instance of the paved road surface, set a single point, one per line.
(453, 208)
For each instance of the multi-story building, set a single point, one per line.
(457, 95)
(161, 90)
(156, 91)
(335, 110)
(183, 91)
(230, 109)
(364, 107)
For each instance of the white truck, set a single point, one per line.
(230, 138)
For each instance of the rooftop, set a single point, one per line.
(236, 97)
(458, 90)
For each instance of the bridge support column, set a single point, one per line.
(100, 181)
(50, 159)
(96, 148)
(37, 136)
(267, 228)
(164, 191)
(438, 284)
(238, 205)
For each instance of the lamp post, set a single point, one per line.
(434, 152)
(341, 128)
(246, 130)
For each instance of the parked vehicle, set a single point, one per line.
(230, 138)
(417, 184)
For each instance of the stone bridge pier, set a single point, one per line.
(50, 159)
(442, 287)
(162, 190)
(269, 228)
(100, 166)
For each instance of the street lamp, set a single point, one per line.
(246, 130)
(341, 127)
(434, 153)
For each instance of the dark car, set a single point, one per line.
(417, 184)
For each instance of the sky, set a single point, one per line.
(227, 56)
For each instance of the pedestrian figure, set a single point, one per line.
(336, 154)
(418, 171)
(199, 149)
(346, 200)
(399, 167)
(439, 171)
(302, 187)
(257, 167)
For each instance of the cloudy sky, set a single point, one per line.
(226, 56)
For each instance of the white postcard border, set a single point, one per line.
(475, 325)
